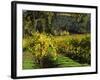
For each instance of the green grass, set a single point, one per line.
(67, 62)
(28, 61)
(62, 61)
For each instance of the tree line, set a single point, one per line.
(55, 22)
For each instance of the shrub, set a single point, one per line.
(77, 49)
(85, 49)
(26, 43)
(42, 46)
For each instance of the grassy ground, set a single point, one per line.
(28, 61)
(62, 61)
(67, 62)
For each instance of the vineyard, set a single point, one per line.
(54, 40)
